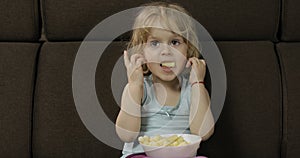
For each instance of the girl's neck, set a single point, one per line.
(174, 84)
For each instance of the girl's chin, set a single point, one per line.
(165, 74)
(169, 77)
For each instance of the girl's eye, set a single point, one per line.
(154, 43)
(175, 42)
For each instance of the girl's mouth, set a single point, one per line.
(167, 66)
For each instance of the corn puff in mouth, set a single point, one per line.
(168, 64)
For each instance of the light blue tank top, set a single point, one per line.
(158, 119)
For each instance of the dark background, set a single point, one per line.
(259, 41)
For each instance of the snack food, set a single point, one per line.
(168, 64)
(158, 140)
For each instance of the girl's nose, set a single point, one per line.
(166, 50)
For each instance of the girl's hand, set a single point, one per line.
(134, 68)
(198, 69)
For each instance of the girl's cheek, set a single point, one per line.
(149, 65)
(181, 65)
(150, 57)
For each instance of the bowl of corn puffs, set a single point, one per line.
(170, 145)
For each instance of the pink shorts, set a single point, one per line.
(143, 155)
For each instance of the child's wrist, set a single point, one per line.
(197, 83)
(136, 84)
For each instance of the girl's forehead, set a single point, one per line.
(159, 33)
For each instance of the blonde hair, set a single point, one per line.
(172, 17)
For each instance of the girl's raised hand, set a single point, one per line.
(198, 69)
(134, 68)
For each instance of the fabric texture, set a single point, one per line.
(57, 128)
(225, 20)
(19, 21)
(17, 76)
(250, 123)
(290, 20)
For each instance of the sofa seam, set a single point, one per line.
(280, 100)
(43, 18)
(277, 21)
(35, 14)
(284, 108)
(284, 13)
(31, 90)
(35, 74)
(278, 24)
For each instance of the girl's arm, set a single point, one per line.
(129, 119)
(201, 119)
(128, 122)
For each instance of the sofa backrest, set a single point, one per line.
(39, 39)
(290, 23)
(20, 21)
(248, 111)
(225, 20)
(19, 34)
(288, 52)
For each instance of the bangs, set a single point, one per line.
(164, 18)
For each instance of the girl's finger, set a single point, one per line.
(194, 62)
(133, 58)
(188, 64)
(126, 59)
(203, 62)
(140, 61)
(197, 60)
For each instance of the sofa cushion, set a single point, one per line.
(17, 73)
(250, 123)
(289, 58)
(19, 21)
(234, 20)
(290, 20)
(58, 129)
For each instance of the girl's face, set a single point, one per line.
(166, 54)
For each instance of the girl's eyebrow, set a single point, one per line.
(151, 37)
(173, 36)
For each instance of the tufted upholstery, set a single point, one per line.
(39, 39)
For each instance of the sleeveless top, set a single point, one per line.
(158, 119)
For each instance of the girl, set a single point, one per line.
(161, 96)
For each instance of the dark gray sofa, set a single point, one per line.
(259, 42)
